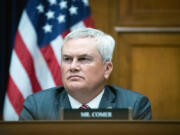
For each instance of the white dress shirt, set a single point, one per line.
(93, 104)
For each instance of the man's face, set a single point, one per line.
(81, 66)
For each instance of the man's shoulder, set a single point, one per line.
(124, 98)
(47, 93)
(124, 95)
(122, 91)
(44, 104)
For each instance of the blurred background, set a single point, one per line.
(10, 13)
(147, 53)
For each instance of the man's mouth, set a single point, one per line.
(74, 77)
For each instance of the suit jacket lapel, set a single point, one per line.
(64, 100)
(108, 99)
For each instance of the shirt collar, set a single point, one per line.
(94, 103)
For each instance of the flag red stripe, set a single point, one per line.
(15, 96)
(52, 63)
(65, 33)
(88, 22)
(27, 61)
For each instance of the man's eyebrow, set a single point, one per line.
(66, 55)
(82, 55)
(85, 55)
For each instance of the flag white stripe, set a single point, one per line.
(8, 111)
(56, 46)
(17, 72)
(29, 36)
(77, 25)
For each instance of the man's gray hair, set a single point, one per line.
(105, 42)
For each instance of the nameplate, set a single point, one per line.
(96, 114)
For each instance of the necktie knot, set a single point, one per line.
(84, 107)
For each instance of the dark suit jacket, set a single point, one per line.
(46, 105)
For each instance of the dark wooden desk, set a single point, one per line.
(90, 128)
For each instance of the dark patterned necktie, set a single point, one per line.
(84, 107)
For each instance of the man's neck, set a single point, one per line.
(93, 104)
(85, 97)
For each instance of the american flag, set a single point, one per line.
(35, 60)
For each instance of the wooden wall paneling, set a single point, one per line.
(122, 64)
(145, 62)
(155, 13)
(104, 14)
(100, 11)
(150, 64)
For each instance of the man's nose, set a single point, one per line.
(74, 65)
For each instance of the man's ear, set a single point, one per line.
(108, 69)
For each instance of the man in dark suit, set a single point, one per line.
(86, 62)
